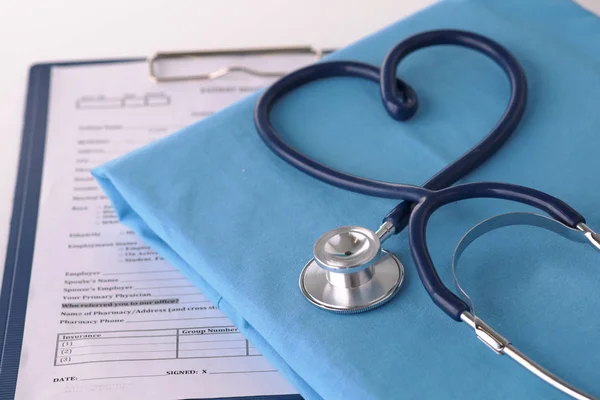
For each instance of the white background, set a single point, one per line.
(32, 31)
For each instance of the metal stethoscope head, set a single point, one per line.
(350, 272)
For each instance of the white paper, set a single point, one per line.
(107, 317)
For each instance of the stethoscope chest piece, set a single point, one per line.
(350, 272)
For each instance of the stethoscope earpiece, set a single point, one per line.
(350, 272)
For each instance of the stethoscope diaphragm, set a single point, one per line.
(350, 272)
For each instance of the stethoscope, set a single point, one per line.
(350, 272)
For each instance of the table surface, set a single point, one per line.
(42, 31)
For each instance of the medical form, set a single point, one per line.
(108, 317)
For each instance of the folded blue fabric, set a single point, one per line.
(240, 223)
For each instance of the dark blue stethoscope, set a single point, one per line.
(350, 272)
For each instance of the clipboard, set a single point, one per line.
(21, 243)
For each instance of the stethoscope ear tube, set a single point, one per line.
(492, 339)
(501, 345)
(439, 293)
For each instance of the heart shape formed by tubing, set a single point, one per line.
(400, 101)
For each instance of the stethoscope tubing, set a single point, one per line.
(499, 134)
(420, 203)
(304, 163)
(439, 293)
(400, 101)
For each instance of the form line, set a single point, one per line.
(139, 272)
(121, 377)
(153, 359)
(212, 341)
(242, 372)
(120, 344)
(194, 302)
(215, 348)
(120, 352)
(175, 319)
(117, 337)
(162, 287)
(155, 279)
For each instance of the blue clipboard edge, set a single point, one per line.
(23, 223)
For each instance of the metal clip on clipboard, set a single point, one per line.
(156, 76)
